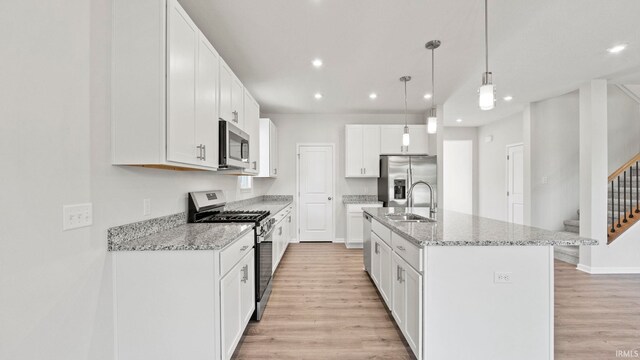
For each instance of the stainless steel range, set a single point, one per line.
(208, 207)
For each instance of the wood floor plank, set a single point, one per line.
(324, 306)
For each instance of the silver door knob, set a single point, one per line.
(330, 198)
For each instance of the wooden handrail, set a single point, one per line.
(624, 167)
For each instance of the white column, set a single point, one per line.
(440, 152)
(593, 170)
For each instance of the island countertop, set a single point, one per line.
(457, 229)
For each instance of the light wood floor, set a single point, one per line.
(324, 306)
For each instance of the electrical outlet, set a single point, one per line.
(146, 207)
(545, 180)
(77, 216)
(502, 277)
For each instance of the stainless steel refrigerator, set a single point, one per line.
(398, 172)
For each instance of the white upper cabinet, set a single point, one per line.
(362, 150)
(207, 128)
(252, 127)
(391, 140)
(268, 149)
(231, 96)
(169, 86)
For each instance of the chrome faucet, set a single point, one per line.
(432, 209)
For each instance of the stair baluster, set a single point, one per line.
(637, 188)
(624, 194)
(619, 217)
(613, 209)
(630, 194)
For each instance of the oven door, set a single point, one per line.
(264, 263)
(234, 146)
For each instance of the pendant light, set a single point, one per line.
(432, 114)
(405, 136)
(487, 92)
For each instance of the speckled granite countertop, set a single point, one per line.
(273, 206)
(186, 237)
(457, 229)
(360, 199)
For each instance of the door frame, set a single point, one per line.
(333, 183)
(506, 170)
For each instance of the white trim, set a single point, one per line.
(333, 193)
(629, 93)
(552, 290)
(354, 245)
(338, 241)
(595, 270)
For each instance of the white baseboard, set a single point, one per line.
(357, 245)
(338, 240)
(594, 270)
(294, 241)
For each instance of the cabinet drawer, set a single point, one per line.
(235, 251)
(382, 231)
(407, 251)
(358, 207)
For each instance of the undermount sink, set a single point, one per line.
(408, 217)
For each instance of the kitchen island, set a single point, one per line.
(466, 287)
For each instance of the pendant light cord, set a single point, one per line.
(486, 34)
(405, 103)
(433, 78)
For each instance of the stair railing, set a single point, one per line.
(626, 213)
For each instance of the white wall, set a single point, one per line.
(455, 133)
(55, 299)
(555, 148)
(324, 128)
(623, 114)
(492, 163)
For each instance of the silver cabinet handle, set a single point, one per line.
(280, 230)
(376, 248)
(401, 248)
(401, 275)
(365, 171)
(289, 218)
(199, 147)
(275, 171)
(245, 273)
(255, 165)
(204, 152)
(244, 248)
(398, 273)
(235, 116)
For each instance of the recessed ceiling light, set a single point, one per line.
(318, 96)
(373, 96)
(427, 96)
(508, 98)
(616, 49)
(317, 63)
(458, 120)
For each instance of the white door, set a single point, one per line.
(391, 139)
(207, 103)
(458, 175)
(515, 183)
(353, 151)
(412, 282)
(315, 184)
(371, 150)
(386, 284)
(181, 87)
(230, 310)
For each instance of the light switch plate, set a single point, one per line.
(77, 216)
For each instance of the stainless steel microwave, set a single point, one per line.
(234, 147)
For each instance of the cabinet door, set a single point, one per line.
(273, 150)
(353, 151)
(371, 150)
(398, 310)
(207, 104)
(287, 233)
(391, 139)
(419, 139)
(247, 288)
(230, 310)
(355, 225)
(412, 282)
(237, 102)
(385, 274)
(252, 127)
(375, 259)
(226, 81)
(181, 86)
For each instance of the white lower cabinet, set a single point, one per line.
(237, 302)
(281, 234)
(399, 283)
(355, 224)
(183, 304)
(407, 302)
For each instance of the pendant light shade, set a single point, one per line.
(406, 138)
(432, 121)
(432, 114)
(486, 92)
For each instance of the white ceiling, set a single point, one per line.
(538, 49)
